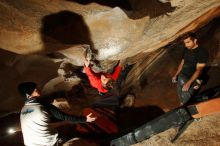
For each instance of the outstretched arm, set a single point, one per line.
(58, 114)
(94, 80)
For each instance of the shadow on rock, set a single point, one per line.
(130, 118)
(64, 29)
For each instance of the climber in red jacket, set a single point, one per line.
(103, 82)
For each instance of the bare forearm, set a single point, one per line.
(194, 76)
(179, 68)
(199, 68)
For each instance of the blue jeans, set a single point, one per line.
(184, 96)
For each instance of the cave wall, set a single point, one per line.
(30, 26)
(142, 31)
(31, 29)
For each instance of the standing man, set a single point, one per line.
(35, 118)
(190, 68)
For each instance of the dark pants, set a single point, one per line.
(110, 102)
(184, 96)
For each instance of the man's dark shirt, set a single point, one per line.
(191, 58)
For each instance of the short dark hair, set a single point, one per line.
(26, 88)
(190, 35)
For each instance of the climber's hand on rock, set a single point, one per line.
(86, 62)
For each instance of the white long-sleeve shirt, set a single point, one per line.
(35, 123)
(35, 126)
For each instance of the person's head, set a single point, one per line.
(190, 40)
(28, 90)
(107, 82)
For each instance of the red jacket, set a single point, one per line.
(95, 78)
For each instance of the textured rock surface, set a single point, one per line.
(42, 26)
(199, 133)
(36, 35)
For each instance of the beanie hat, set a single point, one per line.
(26, 88)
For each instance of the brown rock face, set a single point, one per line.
(36, 36)
(39, 26)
